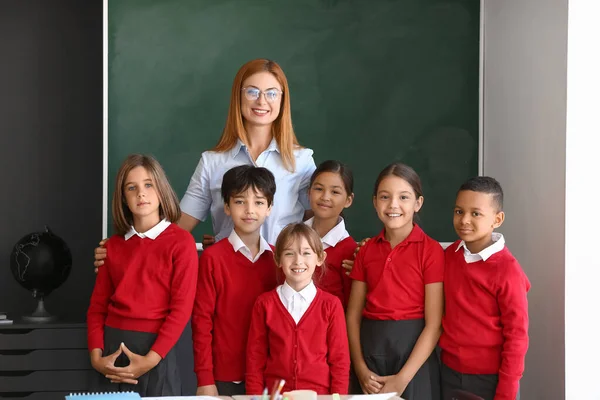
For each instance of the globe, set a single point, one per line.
(40, 262)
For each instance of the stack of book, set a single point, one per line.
(104, 396)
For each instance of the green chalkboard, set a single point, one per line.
(371, 82)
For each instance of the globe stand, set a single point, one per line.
(40, 315)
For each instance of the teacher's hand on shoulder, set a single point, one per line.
(349, 264)
(99, 255)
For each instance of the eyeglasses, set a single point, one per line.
(252, 94)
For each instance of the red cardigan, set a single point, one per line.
(228, 285)
(311, 355)
(485, 322)
(145, 285)
(335, 280)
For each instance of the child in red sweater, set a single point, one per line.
(298, 331)
(396, 304)
(232, 274)
(484, 337)
(330, 192)
(144, 294)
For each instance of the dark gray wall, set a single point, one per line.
(51, 139)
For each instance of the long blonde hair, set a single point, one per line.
(169, 205)
(282, 129)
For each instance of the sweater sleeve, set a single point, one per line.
(513, 286)
(338, 353)
(183, 290)
(202, 321)
(98, 309)
(256, 351)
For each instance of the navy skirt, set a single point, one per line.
(386, 346)
(162, 380)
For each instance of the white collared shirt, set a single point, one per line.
(203, 195)
(495, 247)
(296, 302)
(239, 245)
(152, 233)
(335, 235)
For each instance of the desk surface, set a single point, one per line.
(384, 396)
(320, 397)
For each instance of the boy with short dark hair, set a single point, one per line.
(232, 274)
(484, 339)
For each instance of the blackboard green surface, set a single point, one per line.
(371, 82)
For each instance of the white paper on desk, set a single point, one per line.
(183, 398)
(378, 396)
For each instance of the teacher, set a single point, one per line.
(258, 132)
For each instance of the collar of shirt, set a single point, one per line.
(152, 233)
(308, 294)
(238, 146)
(335, 235)
(416, 235)
(495, 247)
(239, 245)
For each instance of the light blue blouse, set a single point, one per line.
(291, 197)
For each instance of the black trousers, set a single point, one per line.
(162, 380)
(386, 346)
(457, 386)
(231, 388)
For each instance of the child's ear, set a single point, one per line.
(419, 203)
(322, 259)
(498, 219)
(349, 200)
(227, 209)
(269, 209)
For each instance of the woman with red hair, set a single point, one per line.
(258, 132)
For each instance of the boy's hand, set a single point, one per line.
(102, 364)
(138, 366)
(349, 264)
(208, 390)
(99, 255)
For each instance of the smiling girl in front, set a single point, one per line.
(396, 303)
(144, 294)
(298, 332)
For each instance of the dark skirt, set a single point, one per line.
(386, 346)
(162, 380)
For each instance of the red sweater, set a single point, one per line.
(145, 285)
(485, 323)
(228, 285)
(335, 280)
(311, 355)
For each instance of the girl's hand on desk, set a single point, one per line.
(138, 366)
(99, 255)
(208, 390)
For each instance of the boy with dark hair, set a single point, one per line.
(484, 338)
(231, 275)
